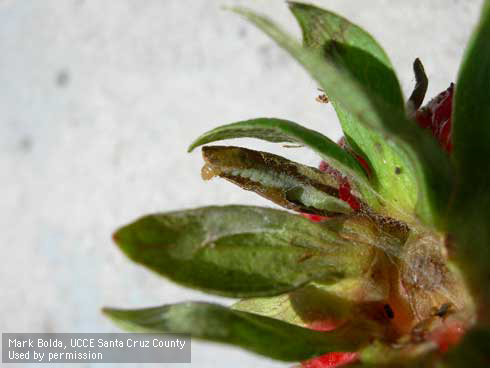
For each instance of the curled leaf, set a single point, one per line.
(286, 183)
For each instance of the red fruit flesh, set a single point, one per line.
(448, 336)
(314, 218)
(331, 360)
(344, 186)
(436, 117)
(346, 195)
(324, 325)
(343, 143)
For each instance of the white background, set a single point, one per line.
(98, 102)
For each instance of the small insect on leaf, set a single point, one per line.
(323, 98)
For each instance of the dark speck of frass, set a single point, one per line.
(62, 78)
(389, 312)
(398, 170)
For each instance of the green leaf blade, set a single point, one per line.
(241, 251)
(470, 210)
(280, 130)
(262, 335)
(350, 46)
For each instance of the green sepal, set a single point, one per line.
(353, 49)
(280, 130)
(379, 354)
(307, 306)
(426, 160)
(266, 336)
(241, 251)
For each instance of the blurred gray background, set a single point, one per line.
(98, 102)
